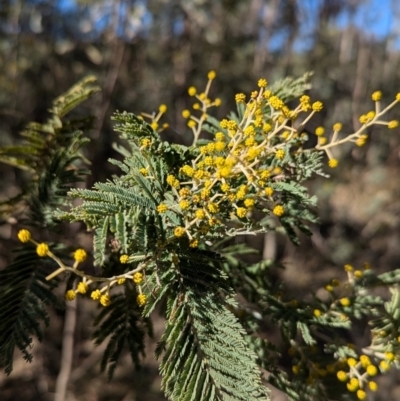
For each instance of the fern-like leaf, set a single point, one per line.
(206, 355)
(24, 292)
(122, 323)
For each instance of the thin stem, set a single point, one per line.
(67, 351)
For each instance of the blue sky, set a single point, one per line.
(374, 17)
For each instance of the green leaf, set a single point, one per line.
(24, 293)
(122, 324)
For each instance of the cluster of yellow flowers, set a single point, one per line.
(373, 117)
(238, 170)
(102, 295)
(356, 373)
(337, 289)
(155, 119)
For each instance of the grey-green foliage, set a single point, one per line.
(206, 354)
(51, 155)
(24, 294)
(211, 348)
(290, 88)
(122, 326)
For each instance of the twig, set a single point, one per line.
(67, 351)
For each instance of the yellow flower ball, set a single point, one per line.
(219, 146)
(219, 137)
(345, 302)
(348, 268)
(225, 187)
(249, 202)
(184, 204)
(137, 278)
(161, 208)
(333, 163)
(365, 361)
(393, 124)
(146, 142)
(317, 313)
(351, 362)
(162, 108)
(70, 295)
(341, 375)
(376, 96)
(337, 126)
(372, 370)
(361, 395)
(192, 91)
(200, 214)
(317, 106)
(24, 235)
(42, 249)
(213, 207)
(95, 295)
(194, 243)
(211, 75)
(353, 384)
(185, 113)
(141, 299)
(82, 288)
(105, 300)
(280, 154)
(241, 212)
(267, 127)
(358, 274)
(80, 255)
(240, 98)
(267, 94)
(179, 231)
(262, 83)
(305, 99)
(373, 386)
(278, 210)
(124, 259)
(268, 191)
(384, 366)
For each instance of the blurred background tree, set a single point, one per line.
(148, 52)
